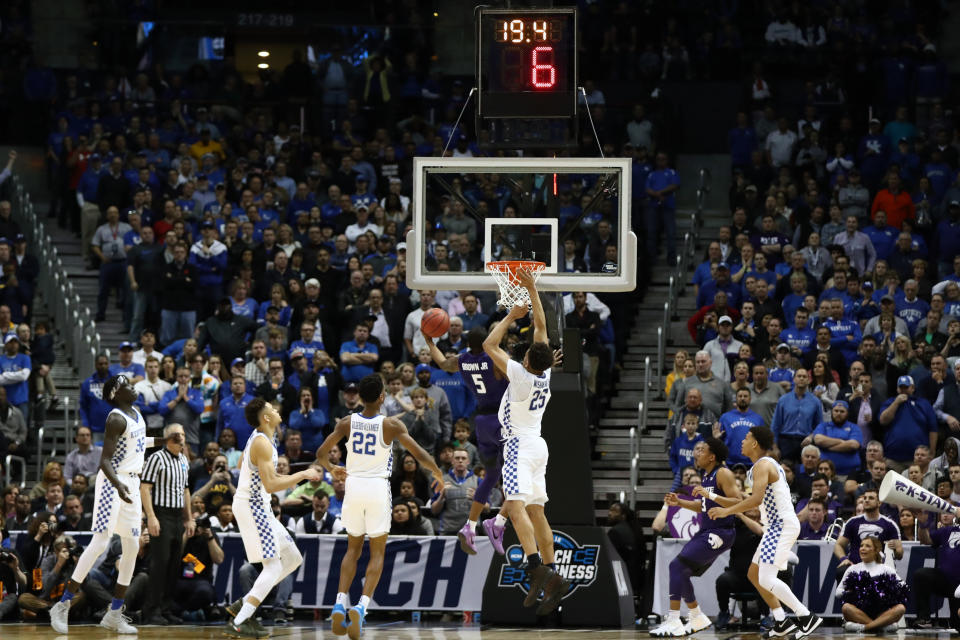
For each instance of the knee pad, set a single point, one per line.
(766, 575)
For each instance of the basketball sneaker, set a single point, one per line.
(495, 534)
(244, 630)
(59, 616)
(807, 625)
(116, 621)
(853, 627)
(553, 591)
(672, 626)
(781, 629)
(355, 628)
(538, 578)
(233, 610)
(697, 623)
(467, 535)
(336, 620)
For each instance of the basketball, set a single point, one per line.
(435, 323)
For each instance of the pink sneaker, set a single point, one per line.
(495, 534)
(466, 536)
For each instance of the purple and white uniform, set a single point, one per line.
(477, 371)
(713, 538)
(858, 527)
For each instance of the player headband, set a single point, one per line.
(121, 380)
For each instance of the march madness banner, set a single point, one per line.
(814, 577)
(419, 573)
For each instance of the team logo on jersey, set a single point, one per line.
(714, 541)
(577, 563)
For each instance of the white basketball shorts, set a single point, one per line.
(113, 515)
(262, 534)
(367, 506)
(525, 470)
(776, 544)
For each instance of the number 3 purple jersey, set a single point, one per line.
(477, 372)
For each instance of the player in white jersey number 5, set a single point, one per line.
(116, 504)
(367, 505)
(524, 451)
(264, 538)
(780, 531)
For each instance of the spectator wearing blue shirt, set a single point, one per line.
(681, 451)
(240, 303)
(741, 141)
(463, 402)
(183, 404)
(800, 337)
(309, 421)
(720, 283)
(882, 236)
(845, 334)
(87, 188)
(734, 425)
(231, 413)
(939, 174)
(948, 240)
(796, 416)
(93, 408)
(358, 357)
(306, 345)
(910, 422)
(703, 272)
(471, 316)
(911, 308)
(839, 440)
(14, 373)
(126, 366)
(208, 256)
(661, 210)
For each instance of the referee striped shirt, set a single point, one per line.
(168, 475)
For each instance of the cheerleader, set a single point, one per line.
(872, 593)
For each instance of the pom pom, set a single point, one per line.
(874, 595)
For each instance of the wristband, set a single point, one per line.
(712, 495)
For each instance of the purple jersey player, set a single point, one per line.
(487, 383)
(713, 538)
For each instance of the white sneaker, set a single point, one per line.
(670, 627)
(697, 623)
(115, 620)
(59, 615)
(853, 627)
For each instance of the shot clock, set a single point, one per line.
(527, 63)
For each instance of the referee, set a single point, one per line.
(166, 500)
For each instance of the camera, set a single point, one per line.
(220, 467)
(76, 550)
(52, 527)
(203, 522)
(6, 557)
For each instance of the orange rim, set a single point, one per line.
(513, 265)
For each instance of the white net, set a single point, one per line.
(512, 293)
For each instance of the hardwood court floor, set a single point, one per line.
(408, 631)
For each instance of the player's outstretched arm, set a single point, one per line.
(726, 481)
(262, 456)
(492, 344)
(341, 431)
(113, 431)
(396, 430)
(447, 364)
(539, 317)
(760, 471)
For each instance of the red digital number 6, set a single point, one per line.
(542, 75)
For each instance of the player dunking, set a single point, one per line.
(524, 451)
(780, 531)
(265, 540)
(367, 504)
(713, 538)
(116, 504)
(487, 383)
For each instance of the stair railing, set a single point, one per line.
(70, 317)
(634, 479)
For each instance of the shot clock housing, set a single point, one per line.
(527, 77)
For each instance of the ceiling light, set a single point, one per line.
(263, 54)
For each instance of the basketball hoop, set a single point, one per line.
(512, 293)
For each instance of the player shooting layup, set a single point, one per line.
(780, 531)
(367, 504)
(713, 538)
(116, 504)
(264, 539)
(487, 383)
(524, 451)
